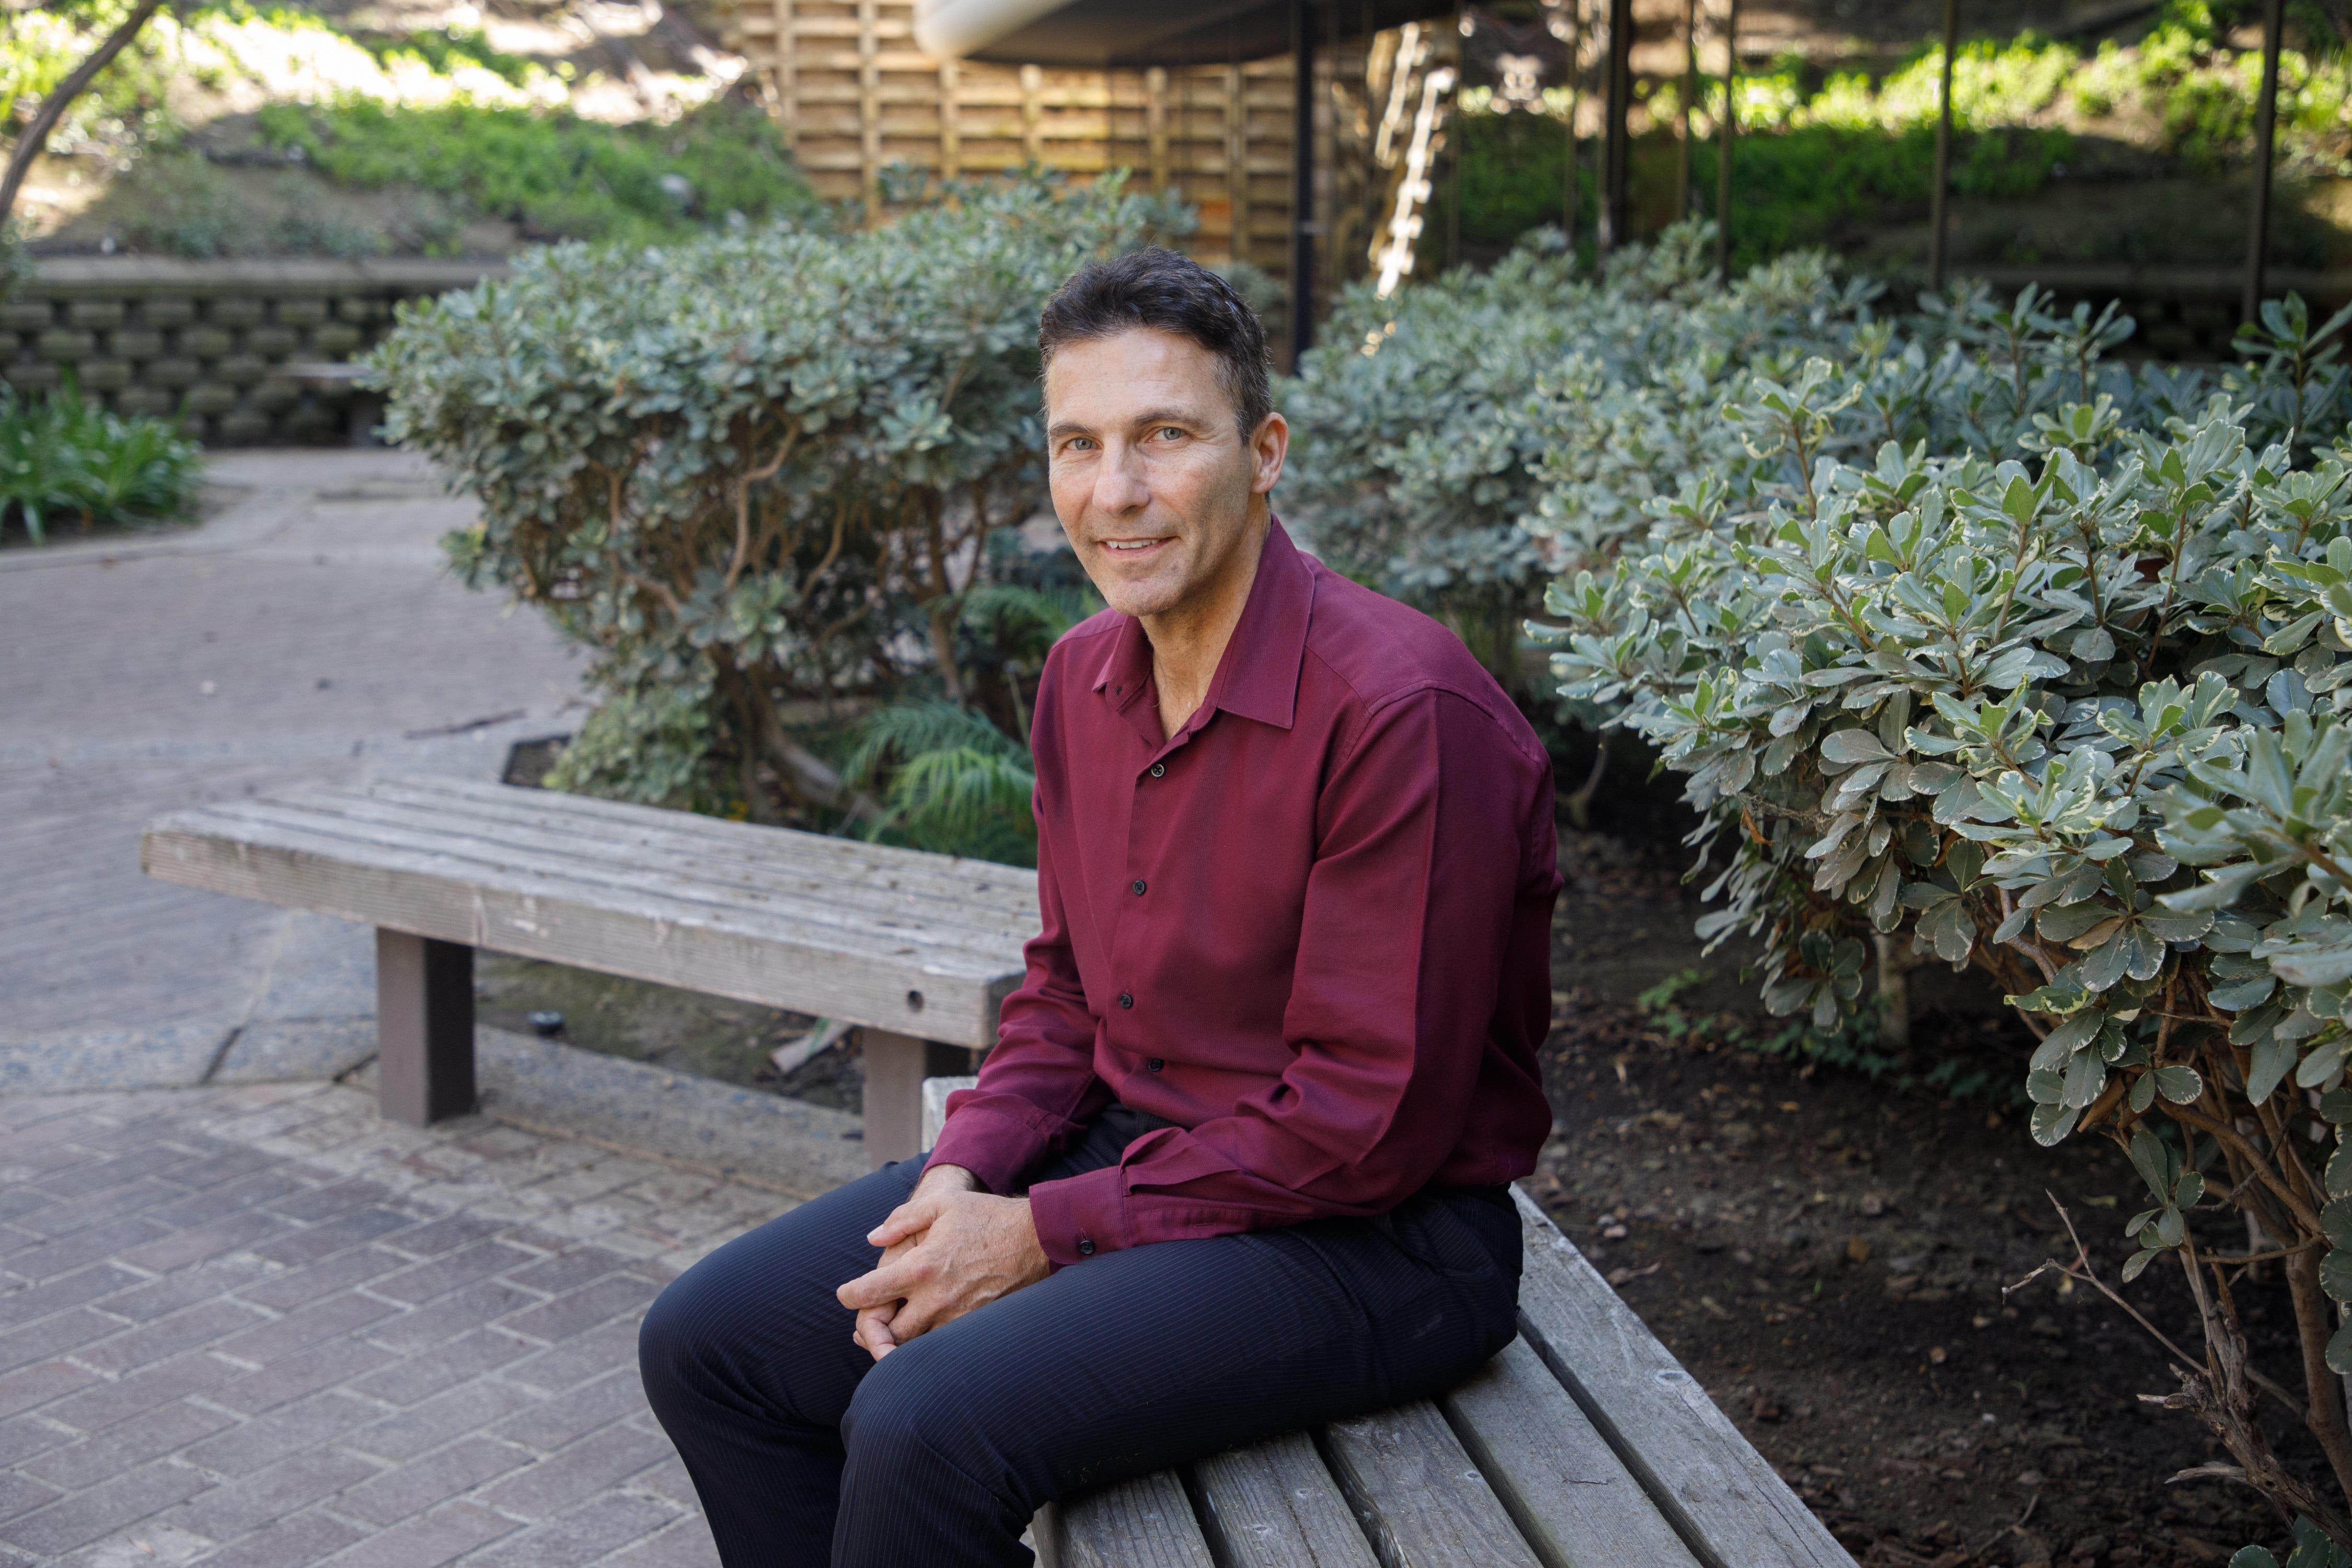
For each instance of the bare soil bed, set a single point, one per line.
(1828, 1254)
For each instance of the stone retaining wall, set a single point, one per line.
(209, 341)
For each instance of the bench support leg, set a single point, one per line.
(424, 1027)
(896, 1066)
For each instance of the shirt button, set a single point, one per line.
(1127, 998)
(1138, 886)
(1086, 1247)
(1159, 770)
(1155, 1064)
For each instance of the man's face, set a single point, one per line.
(1154, 485)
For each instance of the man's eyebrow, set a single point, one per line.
(1062, 427)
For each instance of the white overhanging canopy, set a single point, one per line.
(1101, 34)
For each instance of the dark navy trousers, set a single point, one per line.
(806, 1451)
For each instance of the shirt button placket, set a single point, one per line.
(1159, 770)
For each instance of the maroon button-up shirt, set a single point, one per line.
(1312, 928)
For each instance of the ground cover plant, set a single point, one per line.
(67, 462)
(770, 511)
(227, 130)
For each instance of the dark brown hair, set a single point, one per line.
(1166, 292)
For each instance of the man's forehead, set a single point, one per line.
(1140, 368)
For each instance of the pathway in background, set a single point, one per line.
(256, 1327)
(307, 632)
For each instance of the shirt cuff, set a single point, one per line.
(993, 1144)
(1078, 1216)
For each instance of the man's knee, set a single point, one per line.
(678, 1344)
(913, 1415)
(721, 1335)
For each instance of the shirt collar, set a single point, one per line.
(1257, 676)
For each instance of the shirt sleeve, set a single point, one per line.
(1422, 859)
(1038, 1087)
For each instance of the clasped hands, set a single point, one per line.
(948, 1249)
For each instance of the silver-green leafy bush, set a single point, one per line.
(2046, 667)
(1464, 442)
(753, 471)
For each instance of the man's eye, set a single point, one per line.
(1169, 432)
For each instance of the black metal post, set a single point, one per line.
(2258, 232)
(1690, 91)
(1939, 200)
(1572, 196)
(1617, 143)
(1302, 184)
(1725, 131)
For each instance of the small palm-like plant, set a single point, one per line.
(62, 457)
(955, 782)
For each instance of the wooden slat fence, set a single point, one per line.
(854, 95)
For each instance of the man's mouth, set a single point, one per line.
(1133, 546)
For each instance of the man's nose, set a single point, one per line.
(1120, 486)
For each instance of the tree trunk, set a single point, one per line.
(1894, 993)
(53, 107)
(2315, 1320)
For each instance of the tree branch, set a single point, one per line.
(53, 107)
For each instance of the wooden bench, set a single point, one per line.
(1583, 1445)
(919, 950)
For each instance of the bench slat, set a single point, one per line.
(1273, 1505)
(587, 858)
(681, 835)
(1721, 1496)
(1570, 1495)
(355, 847)
(755, 958)
(1143, 1523)
(1418, 1493)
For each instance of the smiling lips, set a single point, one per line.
(1131, 546)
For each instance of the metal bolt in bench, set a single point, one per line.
(917, 949)
(1583, 1445)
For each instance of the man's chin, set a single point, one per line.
(1148, 598)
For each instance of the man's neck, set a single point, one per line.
(1188, 642)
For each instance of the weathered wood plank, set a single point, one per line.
(787, 920)
(1569, 1492)
(1143, 1523)
(1418, 1494)
(935, 1104)
(850, 900)
(977, 886)
(1721, 1496)
(1274, 1505)
(936, 993)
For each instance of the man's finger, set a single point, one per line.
(910, 1218)
(892, 1282)
(873, 1331)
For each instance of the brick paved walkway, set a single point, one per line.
(256, 1326)
(308, 632)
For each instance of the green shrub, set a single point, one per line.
(1460, 443)
(555, 173)
(751, 471)
(63, 459)
(1989, 651)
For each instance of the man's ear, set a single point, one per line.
(1269, 447)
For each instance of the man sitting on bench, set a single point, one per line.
(1239, 1161)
